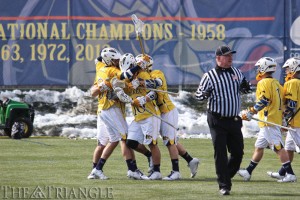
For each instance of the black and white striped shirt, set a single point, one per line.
(222, 89)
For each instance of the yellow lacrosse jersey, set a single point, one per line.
(99, 65)
(271, 89)
(140, 113)
(291, 90)
(163, 101)
(105, 73)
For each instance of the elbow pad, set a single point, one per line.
(122, 95)
(153, 83)
(261, 104)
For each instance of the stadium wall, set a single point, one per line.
(54, 43)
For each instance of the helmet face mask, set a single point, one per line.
(110, 56)
(126, 62)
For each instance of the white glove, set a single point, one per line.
(139, 101)
(246, 115)
(115, 82)
(103, 87)
(135, 83)
(151, 95)
(122, 95)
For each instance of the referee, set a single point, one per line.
(221, 86)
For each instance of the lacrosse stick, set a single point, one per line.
(162, 120)
(283, 127)
(139, 28)
(164, 91)
(126, 99)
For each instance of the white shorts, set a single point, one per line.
(269, 136)
(102, 134)
(292, 139)
(144, 131)
(115, 123)
(169, 133)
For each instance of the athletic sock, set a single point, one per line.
(134, 164)
(156, 168)
(130, 165)
(175, 165)
(100, 164)
(251, 166)
(282, 171)
(288, 167)
(94, 165)
(187, 157)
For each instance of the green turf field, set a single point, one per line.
(57, 168)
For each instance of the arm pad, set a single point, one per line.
(129, 73)
(290, 108)
(153, 83)
(122, 95)
(263, 102)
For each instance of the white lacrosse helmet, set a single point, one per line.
(108, 54)
(266, 64)
(140, 58)
(126, 61)
(293, 65)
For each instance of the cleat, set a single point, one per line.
(275, 175)
(288, 178)
(175, 175)
(97, 174)
(91, 176)
(150, 161)
(245, 174)
(193, 165)
(224, 191)
(155, 176)
(137, 175)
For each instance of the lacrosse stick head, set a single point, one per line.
(138, 24)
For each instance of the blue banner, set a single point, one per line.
(54, 43)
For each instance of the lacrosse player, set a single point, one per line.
(291, 117)
(169, 114)
(145, 126)
(112, 113)
(102, 135)
(268, 106)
